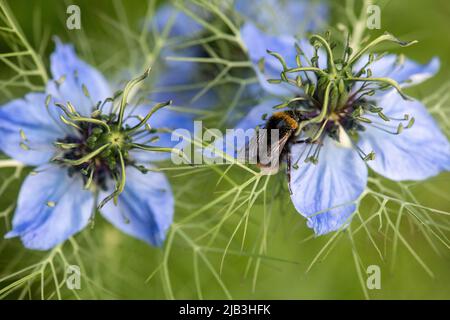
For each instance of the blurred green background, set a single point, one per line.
(117, 266)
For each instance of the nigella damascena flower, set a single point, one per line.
(91, 151)
(342, 115)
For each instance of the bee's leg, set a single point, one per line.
(288, 169)
(300, 141)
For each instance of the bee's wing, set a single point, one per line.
(249, 152)
(274, 153)
(253, 147)
(254, 152)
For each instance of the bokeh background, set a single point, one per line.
(117, 266)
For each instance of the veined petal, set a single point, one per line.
(76, 73)
(417, 153)
(52, 206)
(289, 17)
(325, 193)
(145, 208)
(28, 129)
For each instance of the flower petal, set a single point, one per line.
(145, 208)
(28, 129)
(325, 193)
(52, 206)
(76, 73)
(415, 154)
(289, 17)
(258, 43)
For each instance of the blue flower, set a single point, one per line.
(365, 120)
(84, 154)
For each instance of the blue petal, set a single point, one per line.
(65, 63)
(288, 17)
(325, 193)
(406, 72)
(258, 43)
(40, 125)
(42, 226)
(145, 208)
(417, 153)
(182, 25)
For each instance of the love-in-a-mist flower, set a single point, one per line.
(350, 113)
(92, 149)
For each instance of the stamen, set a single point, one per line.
(66, 146)
(87, 157)
(51, 204)
(89, 181)
(365, 157)
(69, 123)
(24, 146)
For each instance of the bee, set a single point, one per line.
(271, 145)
